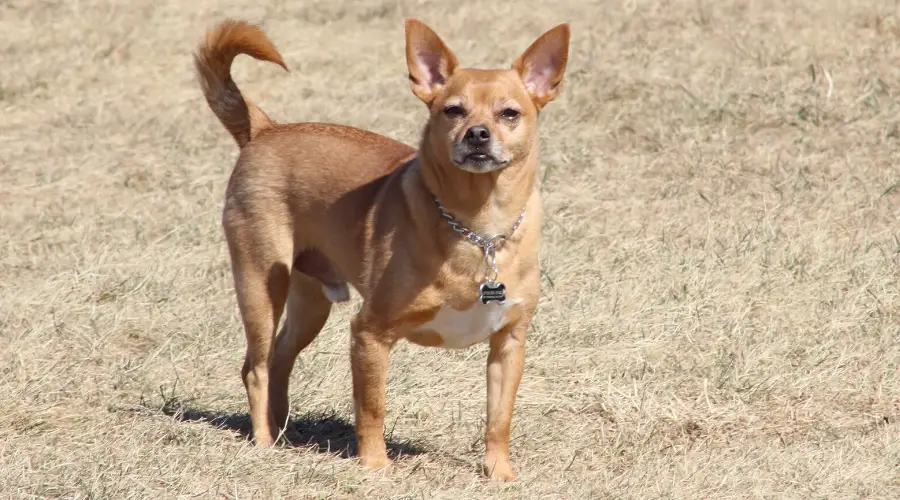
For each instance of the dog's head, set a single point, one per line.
(483, 120)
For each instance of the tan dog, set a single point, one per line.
(313, 207)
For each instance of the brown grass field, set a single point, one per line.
(721, 262)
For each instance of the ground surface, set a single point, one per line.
(720, 314)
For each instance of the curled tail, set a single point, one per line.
(213, 62)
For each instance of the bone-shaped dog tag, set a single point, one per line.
(492, 292)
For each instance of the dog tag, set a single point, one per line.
(492, 292)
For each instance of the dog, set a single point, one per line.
(441, 243)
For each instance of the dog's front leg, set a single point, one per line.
(506, 362)
(369, 354)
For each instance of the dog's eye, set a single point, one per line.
(509, 114)
(454, 111)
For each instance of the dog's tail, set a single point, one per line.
(213, 62)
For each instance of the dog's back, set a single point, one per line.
(310, 171)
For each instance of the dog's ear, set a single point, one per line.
(430, 62)
(542, 66)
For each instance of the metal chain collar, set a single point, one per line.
(488, 244)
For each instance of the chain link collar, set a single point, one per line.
(488, 244)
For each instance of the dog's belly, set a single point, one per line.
(315, 264)
(459, 329)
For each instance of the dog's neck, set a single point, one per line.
(486, 203)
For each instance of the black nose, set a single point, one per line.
(478, 135)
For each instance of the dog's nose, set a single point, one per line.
(478, 135)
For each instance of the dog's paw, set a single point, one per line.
(375, 462)
(498, 469)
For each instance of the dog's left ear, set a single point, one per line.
(429, 60)
(542, 66)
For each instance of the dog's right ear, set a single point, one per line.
(429, 60)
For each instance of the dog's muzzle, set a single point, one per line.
(478, 152)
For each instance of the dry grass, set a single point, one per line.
(721, 308)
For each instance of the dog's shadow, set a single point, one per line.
(322, 432)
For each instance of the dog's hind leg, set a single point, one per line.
(260, 261)
(307, 311)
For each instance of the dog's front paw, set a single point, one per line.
(498, 468)
(375, 462)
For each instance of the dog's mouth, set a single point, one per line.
(480, 157)
(478, 161)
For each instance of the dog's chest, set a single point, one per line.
(459, 329)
